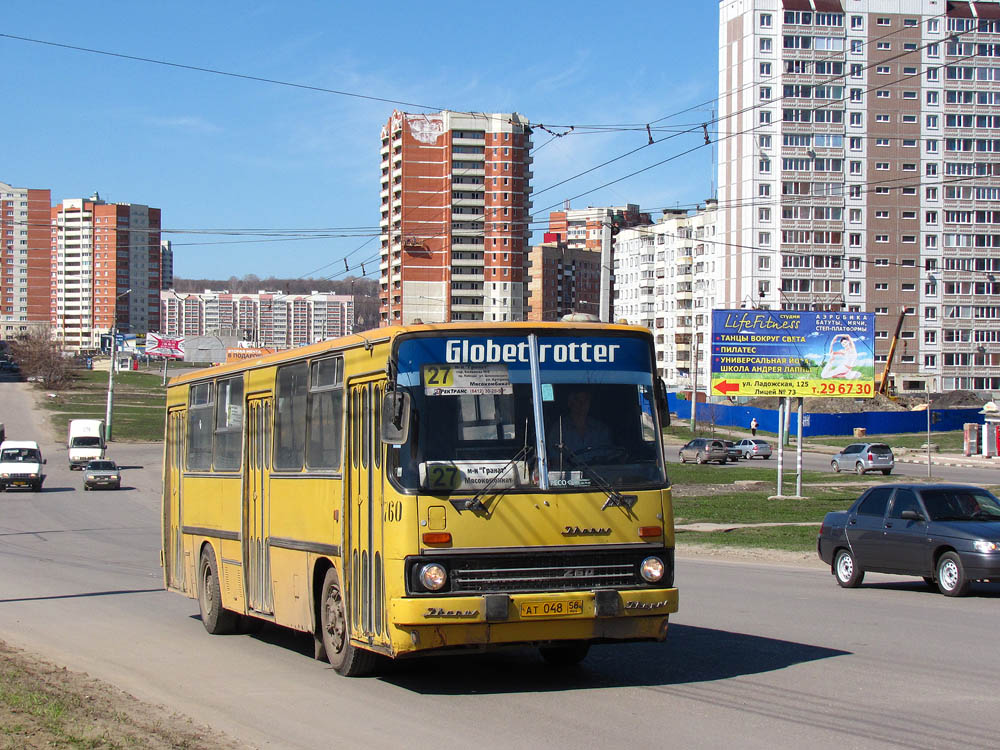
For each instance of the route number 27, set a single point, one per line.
(438, 375)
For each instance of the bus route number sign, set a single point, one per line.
(466, 380)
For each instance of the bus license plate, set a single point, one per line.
(552, 609)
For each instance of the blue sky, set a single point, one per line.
(219, 152)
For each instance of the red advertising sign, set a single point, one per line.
(159, 346)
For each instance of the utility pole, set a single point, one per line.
(111, 370)
(694, 375)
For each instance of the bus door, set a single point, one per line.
(173, 539)
(256, 537)
(363, 514)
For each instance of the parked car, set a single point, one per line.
(864, 457)
(702, 450)
(949, 534)
(103, 473)
(754, 448)
(732, 451)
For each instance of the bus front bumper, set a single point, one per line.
(439, 622)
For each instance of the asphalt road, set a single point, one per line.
(812, 461)
(760, 656)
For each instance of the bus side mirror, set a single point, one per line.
(662, 405)
(395, 426)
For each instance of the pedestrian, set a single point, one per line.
(753, 426)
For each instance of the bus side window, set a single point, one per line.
(290, 425)
(326, 405)
(201, 426)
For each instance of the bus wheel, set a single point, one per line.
(566, 655)
(216, 619)
(335, 632)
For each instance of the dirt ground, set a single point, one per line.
(45, 706)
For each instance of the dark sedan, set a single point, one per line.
(949, 534)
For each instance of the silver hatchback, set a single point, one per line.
(864, 457)
(703, 450)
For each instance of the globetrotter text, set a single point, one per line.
(463, 350)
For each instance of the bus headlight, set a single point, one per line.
(433, 576)
(651, 569)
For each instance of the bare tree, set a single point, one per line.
(41, 357)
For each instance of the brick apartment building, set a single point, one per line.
(455, 209)
(106, 270)
(24, 259)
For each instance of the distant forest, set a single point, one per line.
(365, 291)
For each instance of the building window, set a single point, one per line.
(765, 44)
(765, 20)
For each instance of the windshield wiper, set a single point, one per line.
(475, 503)
(615, 498)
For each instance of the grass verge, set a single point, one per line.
(139, 402)
(763, 471)
(788, 538)
(947, 442)
(754, 507)
(45, 706)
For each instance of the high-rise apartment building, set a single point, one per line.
(166, 265)
(593, 228)
(859, 169)
(666, 277)
(269, 319)
(455, 194)
(562, 279)
(24, 259)
(105, 270)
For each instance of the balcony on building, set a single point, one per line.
(465, 141)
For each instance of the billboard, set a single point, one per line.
(161, 346)
(793, 353)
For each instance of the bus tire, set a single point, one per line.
(216, 619)
(565, 655)
(335, 632)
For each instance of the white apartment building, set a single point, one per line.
(666, 277)
(269, 319)
(859, 170)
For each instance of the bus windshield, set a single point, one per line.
(474, 421)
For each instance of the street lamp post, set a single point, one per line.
(111, 370)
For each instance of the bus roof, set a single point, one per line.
(388, 333)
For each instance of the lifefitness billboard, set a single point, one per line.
(791, 353)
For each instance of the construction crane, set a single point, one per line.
(882, 386)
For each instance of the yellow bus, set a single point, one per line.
(425, 488)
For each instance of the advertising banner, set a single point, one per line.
(793, 353)
(160, 346)
(242, 353)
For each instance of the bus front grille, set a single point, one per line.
(546, 571)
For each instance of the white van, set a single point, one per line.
(21, 465)
(85, 442)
